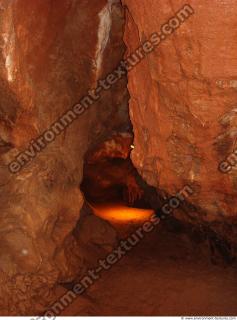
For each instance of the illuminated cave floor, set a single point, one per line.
(118, 213)
(124, 219)
(166, 274)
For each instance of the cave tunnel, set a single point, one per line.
(117, 158)
(111, 184)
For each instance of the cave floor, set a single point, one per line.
(165, 275)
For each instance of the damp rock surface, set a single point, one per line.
(52, 52)
(183, 105)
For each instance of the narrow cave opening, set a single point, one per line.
(112, 252)
(111, 184)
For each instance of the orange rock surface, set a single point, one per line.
(183, 102)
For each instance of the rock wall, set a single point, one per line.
(183, 104)
(52, 52)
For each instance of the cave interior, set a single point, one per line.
(123, 212)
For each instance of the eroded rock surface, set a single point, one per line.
(183, 109)
(52, 52)
(109, 174)
(180, 95)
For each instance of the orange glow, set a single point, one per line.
(120, 213)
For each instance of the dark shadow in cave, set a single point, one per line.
(111, 178)
(109, 174)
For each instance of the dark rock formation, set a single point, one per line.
(109, 174)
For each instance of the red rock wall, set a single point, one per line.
(48, 61)
(183, 102)
(183, 109)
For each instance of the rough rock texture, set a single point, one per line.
(108, 168)
(179, 95)
(52, 52)
(95, 237)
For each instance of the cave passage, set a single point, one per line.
(95, 80)
(174, 269)
(111, 184)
